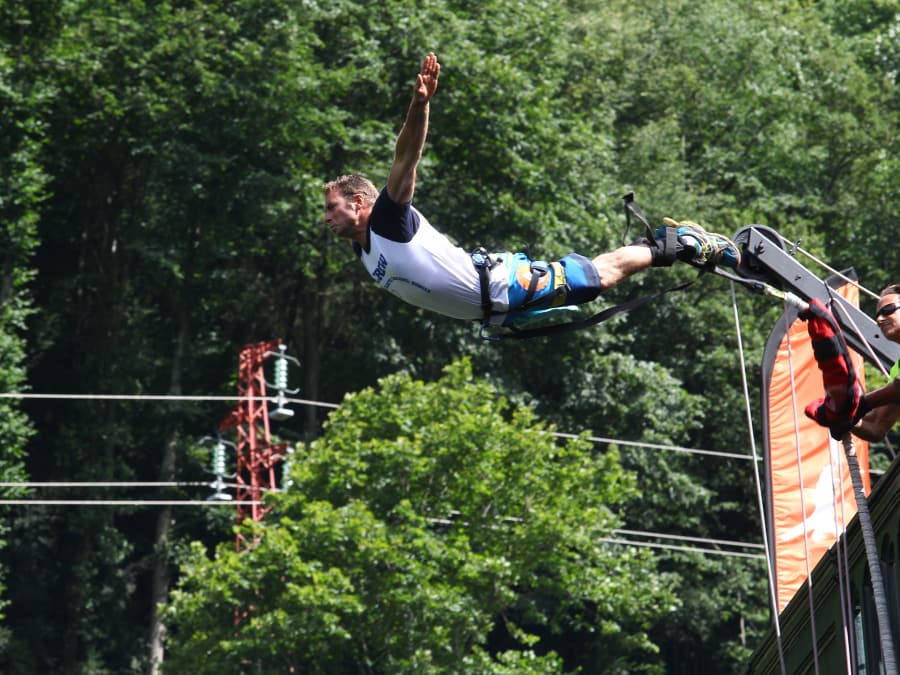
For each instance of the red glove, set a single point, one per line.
(843, 404)
(823, 412)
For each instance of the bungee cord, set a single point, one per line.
(870, 545)
(842, 562)
(871, 351)
(839, 521)
(882, 613)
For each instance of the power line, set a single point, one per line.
(674, 547)
(161, 397)
(123, 502)
(655, 446)
(683, 537)
(321, 404)
(217, 502)
(123, 484)
(131, 484)
(106, 484)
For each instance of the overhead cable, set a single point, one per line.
(831, 270)
(197, 502)
(675, 547)
(124, 502)
(106, 484)
(299, 401)
(162, 397)
(684, 537)
(656, 446)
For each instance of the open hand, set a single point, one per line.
(427, 79)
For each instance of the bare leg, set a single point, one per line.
(620, 264)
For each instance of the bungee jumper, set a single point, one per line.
(506, 291)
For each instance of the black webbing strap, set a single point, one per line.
(483, 264)
(600, 317)
(632, 208)
(664, 251)
(538, 270)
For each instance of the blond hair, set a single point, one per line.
(353, 184)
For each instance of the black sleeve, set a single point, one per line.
(397, 222)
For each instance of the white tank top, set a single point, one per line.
(427, 271)
(418, 264)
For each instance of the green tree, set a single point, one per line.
(185, 143)
(733, 114)
(22, 189)
(432, 528)
(173, 144)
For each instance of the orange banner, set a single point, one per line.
(809, 506)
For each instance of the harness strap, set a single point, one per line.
(664, 251)
(632, 208)
(538, 270)
(483, 265)
(559, 328)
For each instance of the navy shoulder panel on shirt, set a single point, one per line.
(388, 219)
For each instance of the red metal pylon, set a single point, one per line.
(256, 456)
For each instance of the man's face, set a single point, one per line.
(887, 316)
(342, 214)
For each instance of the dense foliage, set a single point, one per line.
(22, 189)
(428, 525)
(160, 207)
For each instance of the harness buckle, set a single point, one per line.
(480, 258)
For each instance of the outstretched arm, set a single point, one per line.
(408, 151)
